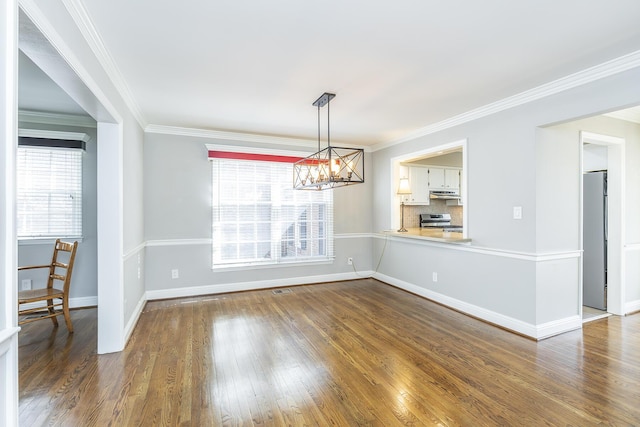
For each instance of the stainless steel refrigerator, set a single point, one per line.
(594, 268)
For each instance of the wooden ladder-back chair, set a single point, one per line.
(60, 270)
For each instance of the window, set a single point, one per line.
(49, 192)
(259, 219)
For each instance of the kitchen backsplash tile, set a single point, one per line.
(412, 213)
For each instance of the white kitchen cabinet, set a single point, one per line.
(436, 178)
(444, 178)
(452, 179)
(422, 179)
(419, 184)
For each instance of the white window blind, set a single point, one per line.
(49, 192)
(259, 219)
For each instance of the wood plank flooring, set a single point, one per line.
(355, 353)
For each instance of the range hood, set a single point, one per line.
(444, 194)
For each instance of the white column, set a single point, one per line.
(8, 251)
(110, 239)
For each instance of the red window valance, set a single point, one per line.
(214, 154)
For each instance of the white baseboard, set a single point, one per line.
(78, 302)
(534, 331)
(537, 332)
(7, 337)
(249, 286)
(133, 320)
(632, 307)
(557, 327)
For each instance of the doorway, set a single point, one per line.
(604, 153)
(62, 66)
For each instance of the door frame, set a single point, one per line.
(616, 219)
(56, 59)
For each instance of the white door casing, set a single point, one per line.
(616, 218)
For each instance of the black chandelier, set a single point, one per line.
(332, 166)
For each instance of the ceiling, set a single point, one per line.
(396, 67)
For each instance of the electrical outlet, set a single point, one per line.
(434, 276)
(350, 261)
(26, 284)
(174, 273)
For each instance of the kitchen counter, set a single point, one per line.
(432, 234)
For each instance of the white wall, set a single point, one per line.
(178, 217)
(594, 157)
(630, 132)
(133, 224)
(522, 274)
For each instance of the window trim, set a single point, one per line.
(34, 241)
(271, 156)
(53, 135)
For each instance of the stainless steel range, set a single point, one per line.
(438, 220)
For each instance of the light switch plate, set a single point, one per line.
(517, 212)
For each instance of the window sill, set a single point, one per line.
(27, 241)
(256, 266)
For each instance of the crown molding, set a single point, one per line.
(231, 136)
(56, 119)
(597, 72)
(80, 16)
(238, 136)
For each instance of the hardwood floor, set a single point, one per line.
(344, 354)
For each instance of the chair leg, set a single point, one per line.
(52, 311)
(67, 315)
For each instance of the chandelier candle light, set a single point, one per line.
(403, 190)
(330, 167)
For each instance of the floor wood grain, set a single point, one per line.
(355, 353)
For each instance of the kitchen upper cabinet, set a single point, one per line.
(452, 179)
(444, 178)
(423, 179)
(436, 178)
(419, 184)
